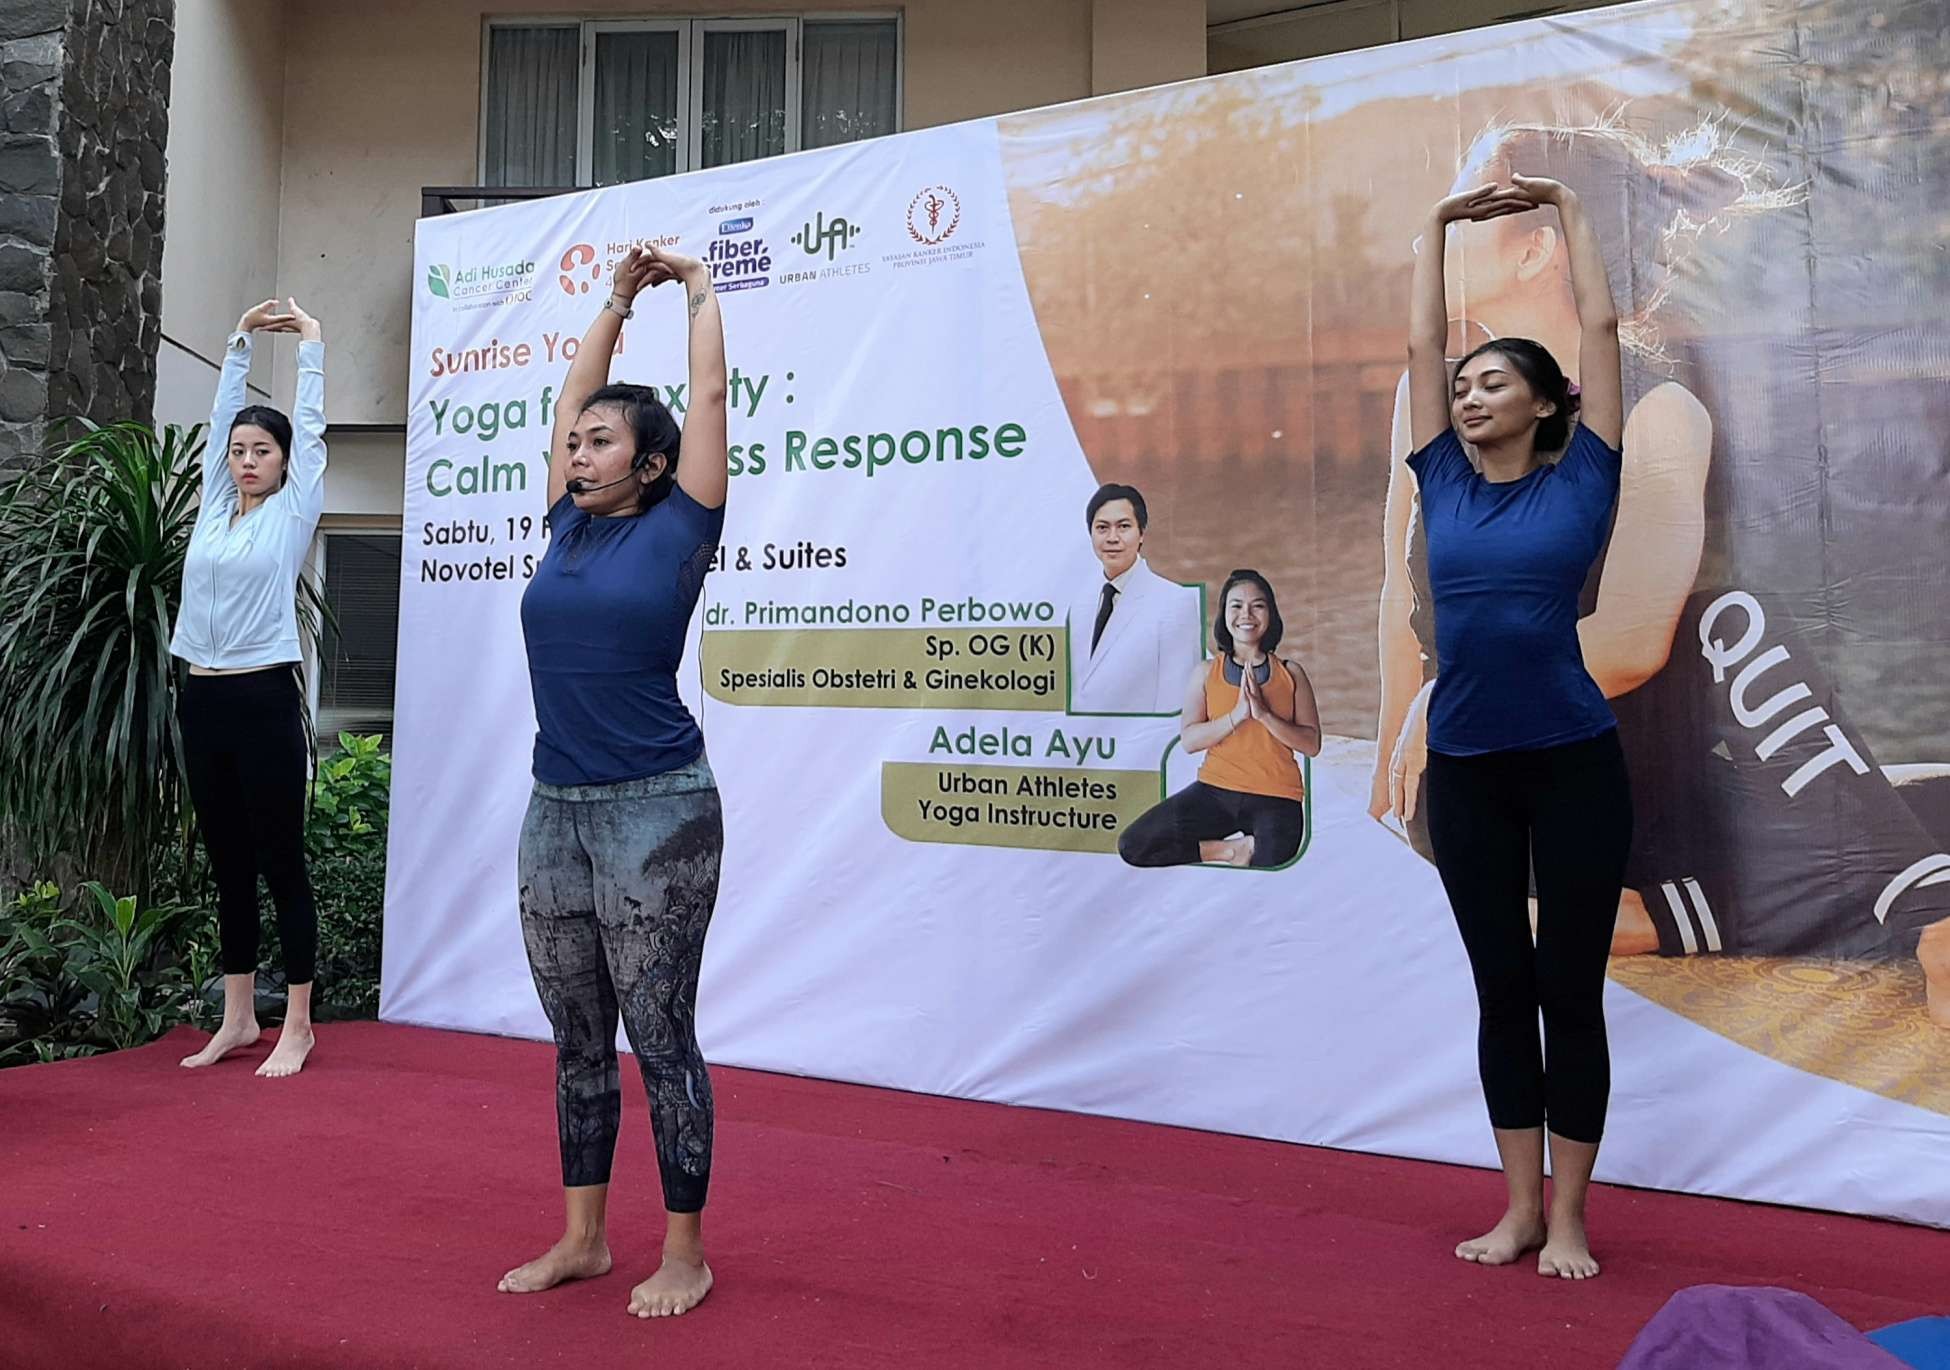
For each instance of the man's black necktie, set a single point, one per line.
(1103, 615)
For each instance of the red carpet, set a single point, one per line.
(359, 1216)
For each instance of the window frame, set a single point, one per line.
(690, 29)
(592, 32)
(694, 139)
(900, 58)
(317, 566)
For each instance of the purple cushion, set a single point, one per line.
(1725, 1327)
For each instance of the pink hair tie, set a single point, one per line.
(1574, 391)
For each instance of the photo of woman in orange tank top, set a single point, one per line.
(1250, 711)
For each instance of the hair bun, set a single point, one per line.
(1702, 190)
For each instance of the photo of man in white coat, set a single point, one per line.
(1134, 635)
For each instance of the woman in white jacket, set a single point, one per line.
(245, 740)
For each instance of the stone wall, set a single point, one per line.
(84, 118)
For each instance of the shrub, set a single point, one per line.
(103, 973)
(345, 842)
(91, 769)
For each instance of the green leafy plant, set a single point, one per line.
(33, 993)
(345, 842)
(345, 852)
(90, 758)
(112, 957)
(105, 974)
(100, 972)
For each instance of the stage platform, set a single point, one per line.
(360, 1214)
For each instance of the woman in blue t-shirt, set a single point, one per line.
(621, 844)
(1524, 761)
(1758, 829)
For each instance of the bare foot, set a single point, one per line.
(568, 1259)
(1933, 951)
(1567, 1255)
(288, 1056)
(1233, 851)
(227, 1039)
(676, 1288)
(1509, 1239)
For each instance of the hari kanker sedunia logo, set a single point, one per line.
(579, 270)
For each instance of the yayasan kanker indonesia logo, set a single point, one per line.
(933, 216)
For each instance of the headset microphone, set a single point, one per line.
(579, 486)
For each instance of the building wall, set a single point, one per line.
(366, 474)
(82, 137)
(387, 100)
(302, 132)
(1272, 32)
(225, 180)
(1139, 43)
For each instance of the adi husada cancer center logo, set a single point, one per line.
(482, 285)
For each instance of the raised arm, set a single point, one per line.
(305, 481)
(703, 471)
(1401, 651)
(233, 383)
(1428, 307)
(589, 372)
(1660, 532)
(1601, 406)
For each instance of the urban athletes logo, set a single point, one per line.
(933, 216)
(821, 235)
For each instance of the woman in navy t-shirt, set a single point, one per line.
(621, 844)
(1524, 762)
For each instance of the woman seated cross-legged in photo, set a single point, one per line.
(1249, 711)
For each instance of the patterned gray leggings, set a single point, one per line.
(617, 887)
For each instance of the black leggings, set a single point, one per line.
(618, 883)
(1568, 811)
(1169, 834)
(248, 757)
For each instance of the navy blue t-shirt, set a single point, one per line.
(1506, 561)
(605, 618)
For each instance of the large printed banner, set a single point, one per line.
(947, 864)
